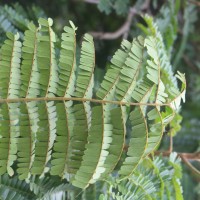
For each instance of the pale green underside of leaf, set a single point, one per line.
(108, 85)
(50, 120)
(137, 144)
(85, 77)
(129, 74)
(10, 67)
(67, 64)
(29, 69)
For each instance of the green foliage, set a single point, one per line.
(175, 21)
(190, 17)
(174, 127)
(41, 189)
(50, 109)
(15, 18)
(120, 6)
(153, 179)
(14, 189)
(167, 22)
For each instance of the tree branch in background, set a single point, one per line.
(124, 29)
(197, 3)
(186, 158)
(92, 1)
(193, 169)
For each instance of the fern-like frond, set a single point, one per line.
(52, 122)
(166, 74)
(13, 188)
(152, 179)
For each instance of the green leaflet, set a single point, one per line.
(25, 142)
(85, 76)
(99, 140)
(9, 134)
(176, 102)
(46, 58)
(130, 71)
(153, 69)
(164, 60)
(67, 65)
(82, 114)
(138, 142)
(143, 91)
(10, 67)
(64, 126)
(157, 123)
(107, 88)
(30, 76)
(156, 130)
(45, 136)
(118, 140)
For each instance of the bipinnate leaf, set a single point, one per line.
(53, 121)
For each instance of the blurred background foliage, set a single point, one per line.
(178, 21)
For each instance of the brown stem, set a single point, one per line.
(124, 29)
(145, 5)
(195, 2)
(81, 100)
(92, 1)
(193, 169)
(188, 156)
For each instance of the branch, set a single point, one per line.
(188, 156)
(194, 169)
(145, 5)
(92, 1)
(124, 29)
(185, 157)
(195, 2)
